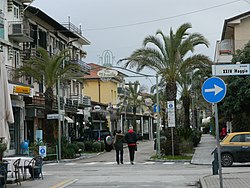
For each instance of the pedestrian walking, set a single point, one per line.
(131, 139)
(118, 145)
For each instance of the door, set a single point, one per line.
(246, 148)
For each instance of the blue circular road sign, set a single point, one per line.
(214, 90)
(42, 151)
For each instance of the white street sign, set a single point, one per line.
(54, 116)
(230, 70)
(42, 151)
(107, 73)
(171, 114)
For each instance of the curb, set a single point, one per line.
(202, 183)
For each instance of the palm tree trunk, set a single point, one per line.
(186, 105)
(49, 128)
(134, 119)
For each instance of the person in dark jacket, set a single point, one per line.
(131, 139)
(118, 145)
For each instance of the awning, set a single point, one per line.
(68, 119)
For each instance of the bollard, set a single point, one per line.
(215, 163)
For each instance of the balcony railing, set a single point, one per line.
(27, 1)
(11, 74)
(226, 47)
(72, 27)
(83, 101)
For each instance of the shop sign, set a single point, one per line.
(21, 90)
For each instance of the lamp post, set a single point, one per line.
(59, 119)
(158, 148)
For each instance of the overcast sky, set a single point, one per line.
(121, 25)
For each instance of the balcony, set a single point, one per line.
(26, 1)
(11, 74)
(224, 51)
(82, 101)
(72, 27)
(18, 32)
(84, 67)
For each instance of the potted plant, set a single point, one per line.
(3, 147)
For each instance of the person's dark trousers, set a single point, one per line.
(119, 155)
(131, 153)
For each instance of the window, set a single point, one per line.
(1, 28)
(236, 138)
(16, 59)
(16, 12)
(247, 138)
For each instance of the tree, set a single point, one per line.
(133, 99)
(235, 106)
(168, 56)
(46, 69)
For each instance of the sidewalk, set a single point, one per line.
(203, 156)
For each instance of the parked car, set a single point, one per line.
(97, 135)
(235, 147)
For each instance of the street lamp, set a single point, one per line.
(59, 119)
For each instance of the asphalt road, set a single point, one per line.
(102, 171)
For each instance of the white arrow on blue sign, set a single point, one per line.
(155, 108)
(214, 90)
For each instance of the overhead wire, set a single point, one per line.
(161, 19)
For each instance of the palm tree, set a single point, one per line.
(133, 99)
(47, 70)
(185, 86)
(167, 57)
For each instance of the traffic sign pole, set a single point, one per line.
(218, 144)
(213, 91)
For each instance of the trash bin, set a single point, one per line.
(215, 163)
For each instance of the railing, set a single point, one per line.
(72, 27)
(11, 74)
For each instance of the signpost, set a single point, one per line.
(213, 91)
(171, 120)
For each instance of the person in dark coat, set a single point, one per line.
(131, 139)
(118, 145)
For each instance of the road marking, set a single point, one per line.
(169, 163)
(149, 163)
(69, 164)
(92, 163)
(186, 163)
(110, 163)
(50, 164)
(64, 183)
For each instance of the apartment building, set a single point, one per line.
(23, 29)
(235, 35)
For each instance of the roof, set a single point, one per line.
(240, 16)
(59, 27)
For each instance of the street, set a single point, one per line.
(102, 171)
